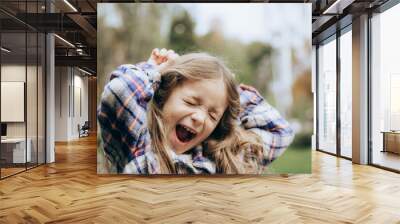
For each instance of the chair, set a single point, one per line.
(84, 130)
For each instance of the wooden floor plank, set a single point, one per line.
(70, 191)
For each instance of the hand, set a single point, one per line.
(249, 88)
(162, 58)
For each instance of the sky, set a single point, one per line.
(279, 23)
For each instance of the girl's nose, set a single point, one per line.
(198, 118)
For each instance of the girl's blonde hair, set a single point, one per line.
(233, 149)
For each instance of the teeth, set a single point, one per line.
(187, 129)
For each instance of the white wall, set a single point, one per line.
(70, 83)
(80, 100)
(61, 103)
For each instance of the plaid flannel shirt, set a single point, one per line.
(126, 138)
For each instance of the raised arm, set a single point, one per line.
(122, 110)
(260, 117)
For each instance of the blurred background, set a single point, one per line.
(267, 46)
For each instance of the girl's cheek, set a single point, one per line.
(210, 127)
(180, 107)
(185, 108)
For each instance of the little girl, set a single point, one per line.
(185, 114)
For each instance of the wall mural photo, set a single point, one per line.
(204, 88)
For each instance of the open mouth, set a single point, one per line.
(184, 133)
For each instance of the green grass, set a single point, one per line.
(293, 160)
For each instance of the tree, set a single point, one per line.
(259, 56)
(181, 35)
(256, 51)
(135, 38)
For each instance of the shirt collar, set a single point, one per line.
(194, 161)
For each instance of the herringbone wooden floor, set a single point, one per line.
(70, 191)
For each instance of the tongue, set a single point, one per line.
(182, 134)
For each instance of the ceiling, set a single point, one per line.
(76, 25)
(328, 16)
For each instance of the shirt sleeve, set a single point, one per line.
(261, 118)
(122, 111)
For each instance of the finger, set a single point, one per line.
(163, 52)
(246, 87)
(161, 56)
(164, 55)
(155, 52)
(157, 56)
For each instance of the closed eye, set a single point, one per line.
(189, 102)
(213, 116)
